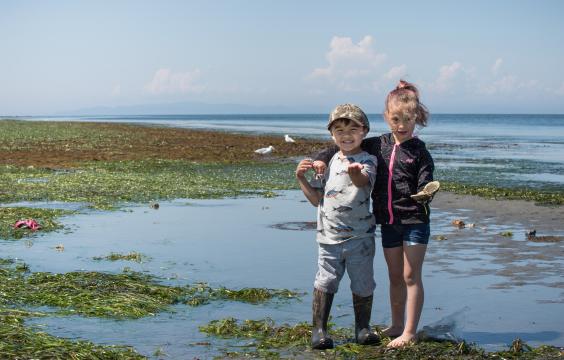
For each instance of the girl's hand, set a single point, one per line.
(355, 169)
(303, 167)
(319, 167)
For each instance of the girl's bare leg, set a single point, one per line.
(394, 260)
(413, 257)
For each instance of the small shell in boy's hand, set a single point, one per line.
(319, 168)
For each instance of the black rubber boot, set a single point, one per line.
(362, 312)
(321, 307)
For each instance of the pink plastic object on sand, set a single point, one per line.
(28, 223)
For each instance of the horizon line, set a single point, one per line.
(7, 117)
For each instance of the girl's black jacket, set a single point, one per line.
(411, 170)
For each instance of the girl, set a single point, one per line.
(404, 168)
(405, 222)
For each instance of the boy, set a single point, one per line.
(345, 225)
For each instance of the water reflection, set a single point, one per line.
(508, 287)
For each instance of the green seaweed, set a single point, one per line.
(132, 256)
(17, 135)
(126, 295)
(105, 185)
(18, 341)
(272, 341)
(268, 335)
(130, 295)
(541, 197)
(154, 175)
(202, 293)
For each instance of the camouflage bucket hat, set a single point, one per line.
(351, 112)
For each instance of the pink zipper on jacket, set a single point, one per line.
(390, 175)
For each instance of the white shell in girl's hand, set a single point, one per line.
(428, 191)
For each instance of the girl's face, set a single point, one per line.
(348, 137)
(402, 124)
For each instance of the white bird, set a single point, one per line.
(264, 151)
(289, 139)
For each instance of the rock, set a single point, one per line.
(458, 223)
(531, 234)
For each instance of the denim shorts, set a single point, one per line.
(356, 256)
(411, 234)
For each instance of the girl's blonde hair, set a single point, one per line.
(406, 97)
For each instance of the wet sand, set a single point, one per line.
(547, 220)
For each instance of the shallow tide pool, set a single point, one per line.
(479, 286)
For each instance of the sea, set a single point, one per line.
(503, 150)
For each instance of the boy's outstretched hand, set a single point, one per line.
(355, 169)
(357, 177)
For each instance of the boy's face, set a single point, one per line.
(348, 137)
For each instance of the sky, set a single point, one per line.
(297, 56)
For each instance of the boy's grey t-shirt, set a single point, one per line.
(344, 211)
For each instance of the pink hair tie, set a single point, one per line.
(402, 84)
(409, 87)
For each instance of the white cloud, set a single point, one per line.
(396, 72)
(497, 65)
(510, 84)
(167, 82)
(505, 84)
(465, 79)
(447, 76)
(348, 63)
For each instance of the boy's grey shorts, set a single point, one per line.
(356, 256)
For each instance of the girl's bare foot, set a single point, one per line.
(403, 340)
(393, 331)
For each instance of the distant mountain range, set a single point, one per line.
(188, 108)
